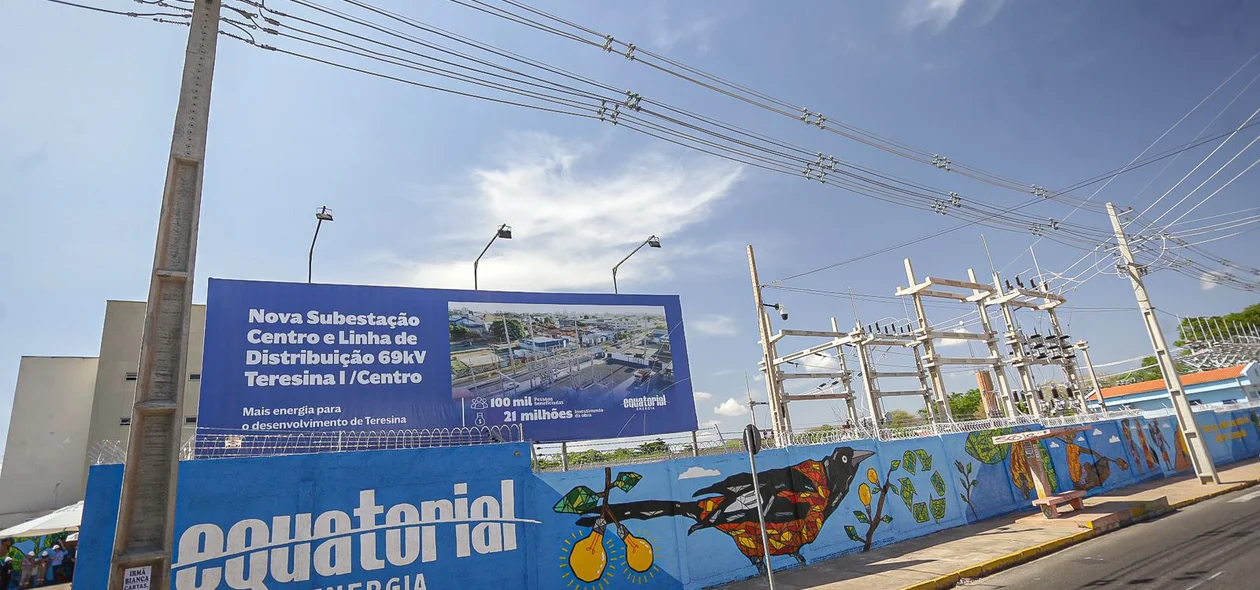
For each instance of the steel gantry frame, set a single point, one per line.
(939, 288)
(1020, 297)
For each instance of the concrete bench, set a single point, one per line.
(1050, 504)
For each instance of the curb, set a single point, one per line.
(1021, 557)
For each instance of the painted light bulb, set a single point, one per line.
(638, 551)
(589, 559)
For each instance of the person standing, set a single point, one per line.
(28, 565)
(6, 572)
(56, 558)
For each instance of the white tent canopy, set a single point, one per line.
(59, 520)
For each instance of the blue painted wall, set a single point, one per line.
(478, 517)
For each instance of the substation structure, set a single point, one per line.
(923, 341)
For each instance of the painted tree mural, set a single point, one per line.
(914, 463)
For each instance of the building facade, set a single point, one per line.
(1240, 383)
(48, 437)
(66, 410)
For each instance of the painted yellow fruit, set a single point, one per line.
(864, 493)
(872, 476)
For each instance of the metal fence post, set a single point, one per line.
(564, 456)
(721, 439)
(695, 444)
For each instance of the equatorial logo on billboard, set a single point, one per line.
(293, 357)
(382, 544)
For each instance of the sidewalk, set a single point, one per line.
(941, 559)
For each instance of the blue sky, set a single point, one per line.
(1046, 93)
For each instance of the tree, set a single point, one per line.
(656, 447)
(515, 329)
(822, 428)
(1149, 372)
(966, 405)
(1205, 328)
(459, 332)
(902, 418)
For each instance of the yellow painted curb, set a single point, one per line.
(1221, 492)
(1023, 556)
(1003, 562)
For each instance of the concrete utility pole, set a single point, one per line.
(778, 421)
(1199, 454)
(1083, 346)
(146, 508)
(929, 350)
(995, 351)
(1021, 360)
(1068, 365)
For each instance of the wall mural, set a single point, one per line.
(1084, 475)
(667, 525)
(798, 500)
(916, 461)
(968, 483)
(1087, 476)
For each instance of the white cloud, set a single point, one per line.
(1113, 440)
(1209, 280)
(711, 424)
(571, 220)
(730, 407)
(666, 36)
(1097, 432)
(934, 13)
(697, 471)
(702, 394)
(1054, 445)
(717, 325)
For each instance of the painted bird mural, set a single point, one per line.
(797, 500)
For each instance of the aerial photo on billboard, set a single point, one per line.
(512, 359)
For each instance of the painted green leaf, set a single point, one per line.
(892, 488)
(938, 483)
(907, 491)
(887, 519)
(925, 460)
(962, 497)
(1048, 465)
(920, 510)
(895, 464)
(852, 533)
(626, 480)
(969, 469)
(578, 501)
(908, 462)
(861, 517)
(980, 445)
(938, 508)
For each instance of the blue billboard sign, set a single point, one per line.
(293, 357)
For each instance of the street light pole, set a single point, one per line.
(505, 232)
(324, 214)
(652, 241)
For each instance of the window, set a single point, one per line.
(190, 419)
(194, 376)
(124, 422)
(133, 376)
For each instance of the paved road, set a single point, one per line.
(1209, 546)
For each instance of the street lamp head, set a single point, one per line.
(324, 214)
(654, 242)
(505, 231)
